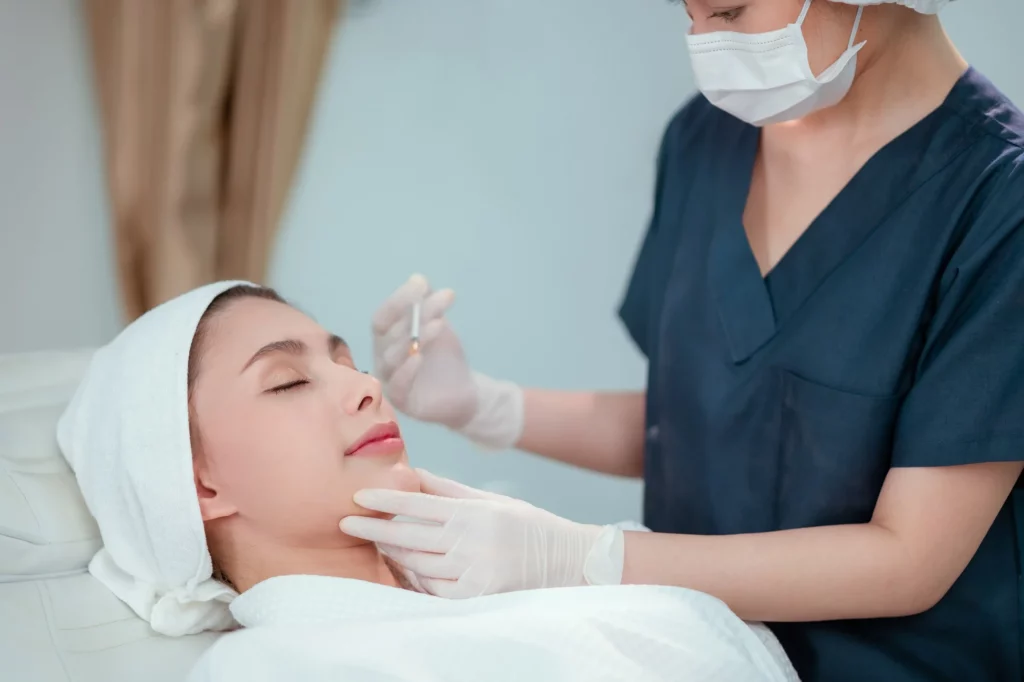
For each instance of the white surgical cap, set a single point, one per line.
(922, 6)
(125, 434)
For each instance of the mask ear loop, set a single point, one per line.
(856, 27)
(803, 13)
(856, 22)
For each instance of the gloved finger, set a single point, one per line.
(411, 578)
(424, 564)
(400, 377)
(387, 361)
(398, 533)
(392, 357)
(431, 331)
(391, 353)
(395, 356)
(444, 487)
(436, 304)
(433, 307)
(416, 288)
(446, 589)
(399, 381)
(403, 503)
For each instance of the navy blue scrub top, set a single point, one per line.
(890, 335)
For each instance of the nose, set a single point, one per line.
(363, 393)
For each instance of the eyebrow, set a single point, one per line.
(293, 347)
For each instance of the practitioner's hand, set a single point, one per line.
(476, 543)
(436, 383)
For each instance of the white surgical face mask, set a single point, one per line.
(764, 78)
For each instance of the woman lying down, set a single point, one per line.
(218, 441)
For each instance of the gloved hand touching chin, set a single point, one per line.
(460, 542)
(436, 384)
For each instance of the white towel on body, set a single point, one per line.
(321, 629)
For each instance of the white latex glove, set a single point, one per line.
(436, 384)
(476, 543)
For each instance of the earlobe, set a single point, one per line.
(212, 504)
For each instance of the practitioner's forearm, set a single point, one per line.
(926, 527)
(599, 431)
(809, 574)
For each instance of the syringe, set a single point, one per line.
(414, 332)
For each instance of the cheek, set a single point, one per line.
(388, 411)
(283, 468)
(269, 458)
(405, 478)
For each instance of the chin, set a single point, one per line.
(399, 477)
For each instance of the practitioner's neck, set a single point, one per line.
(906, 70)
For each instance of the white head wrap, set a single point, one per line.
(125, 434)
(922, 6)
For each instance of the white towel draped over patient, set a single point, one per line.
(315, 629)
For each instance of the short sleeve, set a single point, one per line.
(966, 405)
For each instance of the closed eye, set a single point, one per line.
(289, 386)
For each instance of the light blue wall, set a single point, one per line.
(57, 285)
(988, 33)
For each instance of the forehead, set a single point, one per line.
(247, 324)
(729, 4)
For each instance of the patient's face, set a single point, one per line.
(279, 406)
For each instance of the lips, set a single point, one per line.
(379, 439)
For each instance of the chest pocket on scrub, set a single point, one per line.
(834, 452)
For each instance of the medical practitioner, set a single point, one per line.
(830, 296)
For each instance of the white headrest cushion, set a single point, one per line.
(45, 527)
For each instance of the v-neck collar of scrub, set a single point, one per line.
(753, 308)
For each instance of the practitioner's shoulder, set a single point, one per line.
(698, 127)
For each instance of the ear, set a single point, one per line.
(212, 503)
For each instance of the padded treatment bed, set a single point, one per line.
(57, 623)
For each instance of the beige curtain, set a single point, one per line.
(205, 105)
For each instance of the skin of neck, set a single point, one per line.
(248, 558)
(905, 70)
